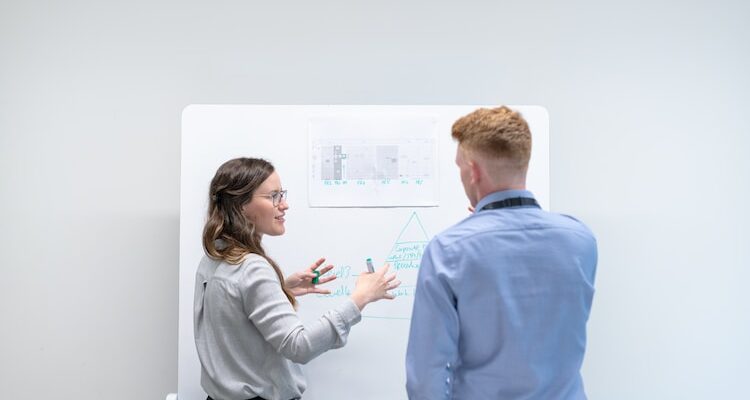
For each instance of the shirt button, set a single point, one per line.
(447, 381)
(448, 366)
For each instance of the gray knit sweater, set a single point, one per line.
(249, 338)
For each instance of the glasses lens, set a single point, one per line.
(277, 197)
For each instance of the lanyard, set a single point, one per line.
(512, 202)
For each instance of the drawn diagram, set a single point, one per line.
(404, 259)
(406, 255)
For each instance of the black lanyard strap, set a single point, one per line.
(512, 202)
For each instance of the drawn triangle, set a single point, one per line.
(413, 231)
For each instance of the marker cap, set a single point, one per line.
(317, 275)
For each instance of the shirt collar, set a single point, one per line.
(500, 196)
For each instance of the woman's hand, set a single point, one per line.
(300, 283)
(374, 286)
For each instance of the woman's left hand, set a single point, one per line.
(300, 283)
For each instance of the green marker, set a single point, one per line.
(317, 275)
(370, 267)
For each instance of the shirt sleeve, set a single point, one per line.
(432, 353)
(268, 308)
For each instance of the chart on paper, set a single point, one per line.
(366, 162)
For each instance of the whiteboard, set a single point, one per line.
(371, 365)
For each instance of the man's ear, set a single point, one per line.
(475, 171)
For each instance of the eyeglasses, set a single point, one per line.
(276, 196)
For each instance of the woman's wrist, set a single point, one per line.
(359, 301)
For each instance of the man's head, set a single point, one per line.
(494, 147)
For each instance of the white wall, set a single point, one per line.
(649, 130)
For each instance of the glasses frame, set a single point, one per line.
(276, 196)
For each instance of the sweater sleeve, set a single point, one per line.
(268, 308)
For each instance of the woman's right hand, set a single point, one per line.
(374, 286)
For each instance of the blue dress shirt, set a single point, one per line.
(501, 305)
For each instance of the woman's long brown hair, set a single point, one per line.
(228, 235)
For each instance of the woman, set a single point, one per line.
(249, 337)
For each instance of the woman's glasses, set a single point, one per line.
(276, 196)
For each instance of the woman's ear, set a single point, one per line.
(247, 212)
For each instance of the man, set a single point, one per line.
(503, 296)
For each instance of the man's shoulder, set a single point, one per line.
(572, 223)
(461, 230)
(479, 224)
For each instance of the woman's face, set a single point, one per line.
(260, 211)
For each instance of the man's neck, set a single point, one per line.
(482, 192)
